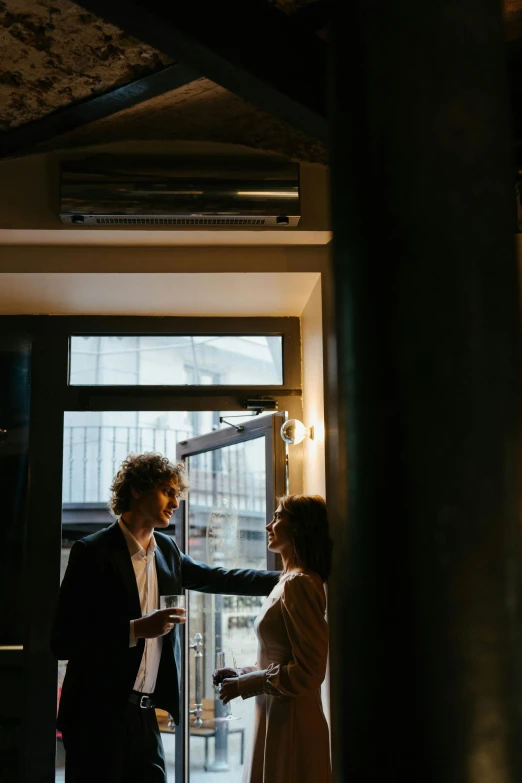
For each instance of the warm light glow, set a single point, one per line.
(268, 193)
(319, 431)
(294, 431)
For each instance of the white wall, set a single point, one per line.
(314, 481)
(32, 259)
(158, 293)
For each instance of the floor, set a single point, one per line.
(198, 774)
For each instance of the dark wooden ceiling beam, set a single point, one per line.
(250, 48)
(76, 115)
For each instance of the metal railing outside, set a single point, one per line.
(93, 456)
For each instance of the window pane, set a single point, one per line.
(176, 360)
(227, 517)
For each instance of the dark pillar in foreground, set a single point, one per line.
(426, 643)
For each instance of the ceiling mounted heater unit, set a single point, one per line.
(121, 191)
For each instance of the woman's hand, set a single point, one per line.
(229, 689)
(221, 674)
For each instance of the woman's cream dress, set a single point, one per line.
(291, 741)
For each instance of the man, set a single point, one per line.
(123, 652)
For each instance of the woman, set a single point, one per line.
(291, 742)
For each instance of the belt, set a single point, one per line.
(143, 700)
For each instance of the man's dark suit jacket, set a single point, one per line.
(98, 599)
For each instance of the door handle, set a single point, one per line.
(198, 705)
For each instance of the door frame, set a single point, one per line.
(267, 427)
(51, 396)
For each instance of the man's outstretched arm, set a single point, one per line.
(234, 581)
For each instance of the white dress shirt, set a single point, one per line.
(144, 564)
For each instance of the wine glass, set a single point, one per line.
(220, 664)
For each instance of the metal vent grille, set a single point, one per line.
(135, 221)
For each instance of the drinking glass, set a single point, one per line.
(220, 664)
(172, 601)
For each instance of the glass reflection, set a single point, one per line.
(227, 510)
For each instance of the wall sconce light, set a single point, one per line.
(294, 431)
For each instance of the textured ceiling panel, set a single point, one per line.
(200, 111)
(53, 53)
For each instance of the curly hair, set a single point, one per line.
(143, 472)
(308, 519)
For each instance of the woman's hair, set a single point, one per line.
(308, 519)
(143, 472)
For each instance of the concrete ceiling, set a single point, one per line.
(220, 294)
(199, 111)
(54, 55)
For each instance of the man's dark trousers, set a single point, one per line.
(131, 752)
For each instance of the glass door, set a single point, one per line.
(236, 475)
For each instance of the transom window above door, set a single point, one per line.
(176, 360)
